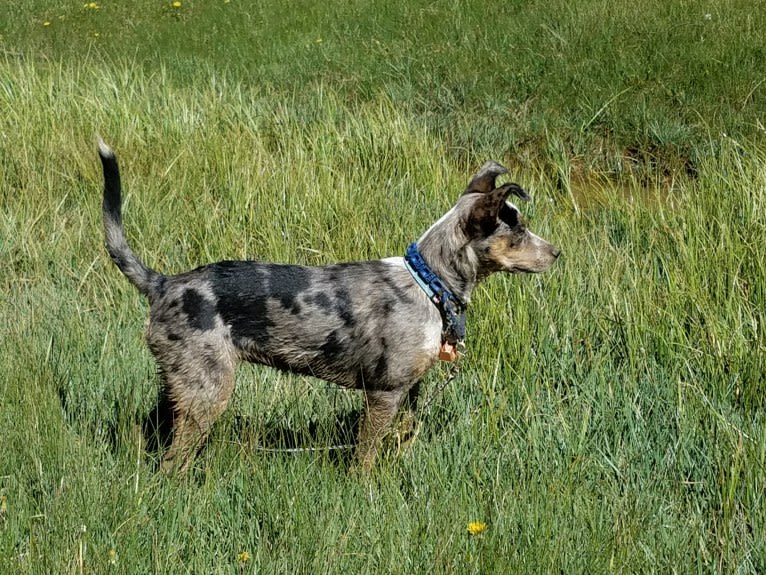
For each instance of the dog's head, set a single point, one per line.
(485, 233)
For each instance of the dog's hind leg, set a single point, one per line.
(198, 399)
(380, 411)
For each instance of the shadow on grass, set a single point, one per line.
(275, 436)
(334, 438)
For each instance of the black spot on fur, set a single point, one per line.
(381, 366)
(200, 312)
(387, 306)
(321, 300)
(174, 336)
(286, 283)
(509, 216)
(374, 374)
(120, 260)
(161, 286)
(395, 289)
(333, 348)
(344, 307)
(243, 290)
(381, 369)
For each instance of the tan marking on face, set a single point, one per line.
(531, 255)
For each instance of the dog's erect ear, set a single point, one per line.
(516, 190)
(484, 181)
(485, 212)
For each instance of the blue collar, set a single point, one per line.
(451, 307)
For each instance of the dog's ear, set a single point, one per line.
(484, 181)
(516, 190)
(484, 216)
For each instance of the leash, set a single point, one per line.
(344, 447)
(451, 374)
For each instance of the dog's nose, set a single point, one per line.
(555, 252)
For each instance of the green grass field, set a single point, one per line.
(610, 415)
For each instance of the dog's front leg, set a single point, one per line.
(407, 424)
(381, 409)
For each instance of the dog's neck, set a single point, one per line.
(458, 279)
(446, 251)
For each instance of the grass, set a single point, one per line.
(624, 87)
(610, 414)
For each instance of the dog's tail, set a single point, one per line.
(145, 279)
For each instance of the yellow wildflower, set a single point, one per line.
(90, 6)
(46, 23)
(476, 527)
(243, 557)
(176, 4)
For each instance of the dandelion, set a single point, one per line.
(46, 23)
(476, 527)
(176, 4)
(90, 6)
(243, 557)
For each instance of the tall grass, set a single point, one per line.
(624, 86)
(608, 417)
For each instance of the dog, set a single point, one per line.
(377, 326)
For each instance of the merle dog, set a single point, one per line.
(377, 326)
